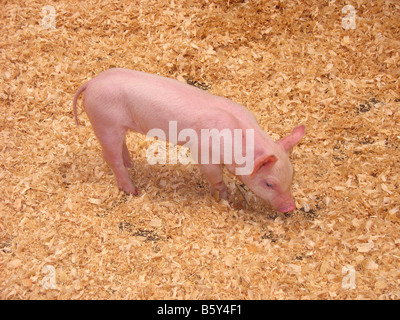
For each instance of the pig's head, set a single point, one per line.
(272, 176)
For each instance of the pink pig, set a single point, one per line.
(120, 99)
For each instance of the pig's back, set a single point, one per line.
(153, 101)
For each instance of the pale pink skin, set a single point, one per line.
(118, 100)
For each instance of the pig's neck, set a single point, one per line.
(263, 146)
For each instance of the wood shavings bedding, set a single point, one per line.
(289, 62)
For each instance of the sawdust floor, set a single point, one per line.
(66, 232)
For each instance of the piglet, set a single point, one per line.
(217, 131)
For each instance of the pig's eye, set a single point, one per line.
(269, 185)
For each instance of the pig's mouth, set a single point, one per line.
(287, 208)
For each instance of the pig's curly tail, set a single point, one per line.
(77, 94)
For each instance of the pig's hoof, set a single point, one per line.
(133, 192)
(223, 195)
(130, 190)
(219, 194)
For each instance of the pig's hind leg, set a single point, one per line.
(116, 154)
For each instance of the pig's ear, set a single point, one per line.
(291, 140)
(264, 162)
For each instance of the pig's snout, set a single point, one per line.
(287, 208)
(284, 205)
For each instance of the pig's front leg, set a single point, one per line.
(126, 156)
(213, 174)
